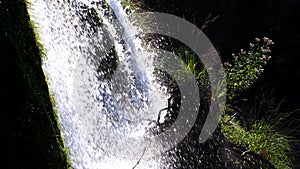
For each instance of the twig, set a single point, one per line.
(231, 118)
(208, 21)
(245, 152)
(139, 159)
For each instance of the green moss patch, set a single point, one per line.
(31, 128)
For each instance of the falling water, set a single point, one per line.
(99, 103)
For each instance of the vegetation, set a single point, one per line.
(35, 133)
(260, 135)
(191, 63)
(261, 138)
(247, 66)
(131, 6)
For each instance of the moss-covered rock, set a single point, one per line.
(30, 128)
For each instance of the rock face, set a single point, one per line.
(239, 22)
(235, 24)
(28, 124)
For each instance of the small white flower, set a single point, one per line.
(266, 39)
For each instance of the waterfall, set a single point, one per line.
(98, 106)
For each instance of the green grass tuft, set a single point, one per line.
(262, 139)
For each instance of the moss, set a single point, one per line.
(33, 134)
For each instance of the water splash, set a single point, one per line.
(97, 113)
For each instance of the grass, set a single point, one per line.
(262, 139)
(260, 128)
(190, 63)
(34, 138)
(269, 129)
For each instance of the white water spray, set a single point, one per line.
(86, 106)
